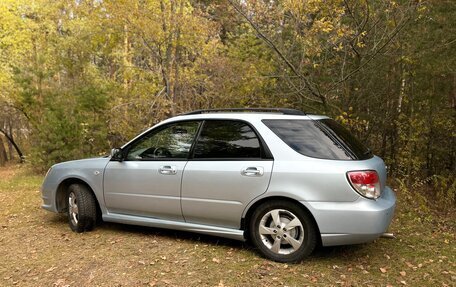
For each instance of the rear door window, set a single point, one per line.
(324, 139)
(223, 139)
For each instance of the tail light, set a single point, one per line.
(365, 182)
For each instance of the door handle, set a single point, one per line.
(252, 171)
(167, 169)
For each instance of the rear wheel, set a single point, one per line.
(283, 231)
(82, 208)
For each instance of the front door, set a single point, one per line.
(148, 181)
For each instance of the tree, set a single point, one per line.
(78, 77)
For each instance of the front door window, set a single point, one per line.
(171, 142)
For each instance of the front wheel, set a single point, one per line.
(282, 231)
(82, 208)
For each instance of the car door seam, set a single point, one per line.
(181, 188)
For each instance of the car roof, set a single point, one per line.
(249, 116)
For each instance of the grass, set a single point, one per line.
(37, 248)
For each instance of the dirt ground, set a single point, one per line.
(37, 248)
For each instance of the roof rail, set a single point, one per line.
(254, 110)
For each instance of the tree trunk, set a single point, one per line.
(177, 56)
(10, 146)
(16, 147)
(3, 156)
(166, 58)
(126, 58)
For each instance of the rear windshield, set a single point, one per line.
(320, 139)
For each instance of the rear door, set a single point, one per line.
(148, 181)
(230, 166)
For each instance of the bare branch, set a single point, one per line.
(391, 37)
(271, 44)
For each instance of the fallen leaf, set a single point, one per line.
(215, 260)
(383, 270)
(403, 273)
(60, 283)
(51, 269)
(409, 264)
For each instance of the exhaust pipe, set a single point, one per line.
(388, 235)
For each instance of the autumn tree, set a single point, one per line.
(78, 77)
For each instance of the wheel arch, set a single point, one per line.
(245, 221)
(62, 193)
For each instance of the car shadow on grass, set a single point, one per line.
(345, 252)
(56, 219)
(174, 234)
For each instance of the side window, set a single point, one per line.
(320, 139)
(172, 142)
(227, 139)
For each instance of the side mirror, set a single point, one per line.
(116, 154)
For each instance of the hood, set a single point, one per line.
(98, 162)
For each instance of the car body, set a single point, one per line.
(237, 174)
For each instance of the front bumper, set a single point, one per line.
(48, 190)
(355, 222)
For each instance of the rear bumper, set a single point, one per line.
(355, 222)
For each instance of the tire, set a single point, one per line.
(277, 239)
(82, 208)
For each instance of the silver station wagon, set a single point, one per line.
(283, 179)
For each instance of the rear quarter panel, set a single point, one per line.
(313, 179)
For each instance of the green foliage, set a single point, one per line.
(445, 187)
(71, 127)
(89, 75)
(57, 138)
